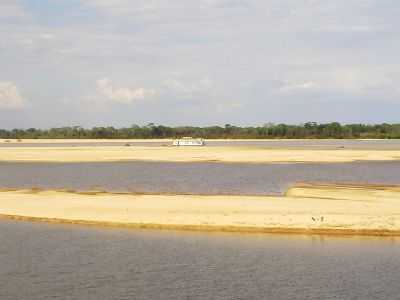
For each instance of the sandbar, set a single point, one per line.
(314, 209)
(191, 154)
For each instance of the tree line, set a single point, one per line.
(310, 130)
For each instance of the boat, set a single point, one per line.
(188, 141)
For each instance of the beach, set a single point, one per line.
(191, 154)
(319, 209)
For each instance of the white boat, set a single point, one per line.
(188, 141)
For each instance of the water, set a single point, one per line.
(195, 178)
(48, 261)
(291, 144)
(41, 261)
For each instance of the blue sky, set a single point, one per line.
(203, 62)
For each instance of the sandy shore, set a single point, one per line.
(305, 209)
(190, 154)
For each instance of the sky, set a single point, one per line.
(198, 62)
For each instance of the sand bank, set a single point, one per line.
(305, 209)
(191, 154)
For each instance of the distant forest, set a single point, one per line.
(310, 130)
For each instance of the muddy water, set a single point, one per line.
(193, 178)
(41, 261)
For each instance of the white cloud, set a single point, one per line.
(11, 9)
(124, 95)
(339, 51)
(46, 36)
(362, 80)
(188, 90)
(353, 81)
(121, 7)
(227, 3)
(160, 9)
(296, 87)
(10, 97)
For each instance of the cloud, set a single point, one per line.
(264, 55)
(124, 95)
(363, 80)
(10, 97)
(353, 81)
(188, 89)
(227, 3)
(160, 9)
(11, 9)
(300, 86)
(122, 7)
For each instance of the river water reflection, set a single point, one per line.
(42, 261)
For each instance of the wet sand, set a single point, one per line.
(320, 209)
(190, 154)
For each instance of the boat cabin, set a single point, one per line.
(188, 141)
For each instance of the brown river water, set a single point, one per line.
(192, 178)
(49, 261)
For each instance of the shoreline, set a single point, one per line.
(305, 209)
(216, 229)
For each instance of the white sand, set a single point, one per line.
(329, 209)
(190, 154)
